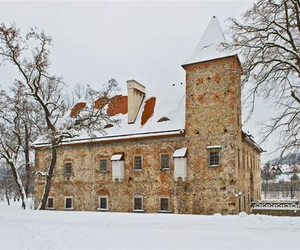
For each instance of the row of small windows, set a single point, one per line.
(213, 161)
(138, 164)
(138, 203)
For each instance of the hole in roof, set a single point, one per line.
(77, 108)
(163, 119)
(148, 110)
(108, 126)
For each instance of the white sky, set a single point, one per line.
(146, 41)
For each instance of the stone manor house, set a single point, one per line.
(179, 149)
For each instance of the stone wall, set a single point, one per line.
(213, 117)
(277, 212)
(86, 183)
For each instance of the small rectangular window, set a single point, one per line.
(214, 157)
(138, 162)
(50, 203)
(103, 165)
(138, 203)
(68, 168)
(68, 202)
(165, 161)
(103, 202)
(164, 204)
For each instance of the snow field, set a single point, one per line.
(89, 230)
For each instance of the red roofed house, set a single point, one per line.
(180, 149)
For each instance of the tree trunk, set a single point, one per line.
(7, 196)
(19, 184)
(43, 203)
(27, 160)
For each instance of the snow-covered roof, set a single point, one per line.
(207, 48)
(181, 152)
(116, 157)
(214, 147)
(167, 101)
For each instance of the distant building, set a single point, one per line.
(178, 149)
(276, 170)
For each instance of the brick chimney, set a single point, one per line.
(136, 94)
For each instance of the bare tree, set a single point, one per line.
(47, 91)
(268, 41)
(7, 183)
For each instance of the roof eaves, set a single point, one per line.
(191, 63)
(253, 143)
(116, 137)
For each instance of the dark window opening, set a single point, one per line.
(138, 162)
(68, 202)
(164, 204)
(68, 168)
(165, 161)
(138, 203)
(50, 203)
(103, 202)
(103, 165)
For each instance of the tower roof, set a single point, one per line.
(207, 48)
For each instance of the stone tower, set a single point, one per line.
(213, 125)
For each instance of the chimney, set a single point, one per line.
(136, 94)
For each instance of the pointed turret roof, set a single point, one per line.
(207, 48)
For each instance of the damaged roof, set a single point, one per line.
(162, 112)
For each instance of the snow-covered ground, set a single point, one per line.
(85, 230)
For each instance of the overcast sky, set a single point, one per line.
(146, 41)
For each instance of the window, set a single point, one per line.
(164, 204)
(68, 202)
(165, 161)
(138, 162)
(50, 203)
(68, 168)
(214, 158)
(103, 165)
(138, 203)
(103, 203)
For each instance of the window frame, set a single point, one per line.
(160, 204)
(142, 203)
(65, 203)
(134, 163)
(65, 168)
(99, 203)
(210, 150)
(161, 167)
(53, 207)
(102, 159)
